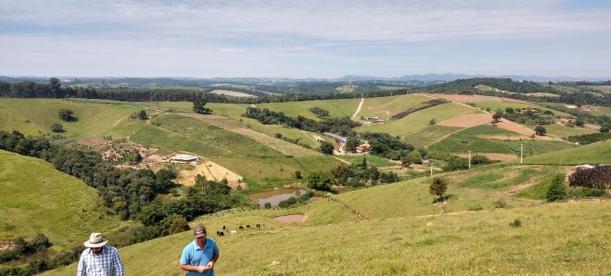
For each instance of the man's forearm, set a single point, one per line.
(187, 267)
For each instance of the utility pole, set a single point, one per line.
(431, 168)
(521, 153)
(469, 159)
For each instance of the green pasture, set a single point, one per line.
(414, 122)
(37, 198)
(35, 116)
(471, 140)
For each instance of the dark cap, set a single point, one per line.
(200, 231)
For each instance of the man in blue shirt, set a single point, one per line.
(199, 256)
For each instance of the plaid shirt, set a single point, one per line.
(107, 263)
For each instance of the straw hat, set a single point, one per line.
(95, 240)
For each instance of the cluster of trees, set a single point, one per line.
(353, 175)
(590, 138)
(506, 84)
(455, 163)
(424, 105)
(54, 89)
(528, 116)
(320, 113)
(385, 145)
(20, 247)
(582, 116)
(598, 177)
(342, 126)
(294, 201)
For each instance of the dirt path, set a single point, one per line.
(358, 109)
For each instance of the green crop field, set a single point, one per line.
(430, 135)
(35, 116)
(597, 153)
(414, 122)
(470, 140)
(384, 107)
(36, 198)
(336, 108)
(564, 131)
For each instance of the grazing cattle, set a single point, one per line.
(224, 227)
(247, 225)
(233, 232)
(258, 226)
(221, 234)
(241, 227)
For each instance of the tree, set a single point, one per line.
(509, 110)
(142, 115)
(199, 103)
(438, 186)
(56, 127)
(539, 130)
(67, 115)
(604, 128)
(579, 122)
(497, 116)
(298, 174)
(557, 190)
(352, 143)
(326, 147)
(480, 159)
(320, 181)
(177, 224)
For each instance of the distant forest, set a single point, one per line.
(569, 93)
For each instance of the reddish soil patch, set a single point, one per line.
(467, 120)
(511, 126)
(470, 98)
(291, 219)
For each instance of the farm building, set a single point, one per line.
(184, 158)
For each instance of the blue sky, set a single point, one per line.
(305, 38)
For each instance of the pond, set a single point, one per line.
(277, 196)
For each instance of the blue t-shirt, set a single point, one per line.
(194, 255)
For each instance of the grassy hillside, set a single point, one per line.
(336, 108)
(36, 198)
(417, 121)
(35, 116)
(597, 153)
(474, 139)
(241, 154)
(385, 107)
(553, 239)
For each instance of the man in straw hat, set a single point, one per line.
(199, 256)
(99, 259)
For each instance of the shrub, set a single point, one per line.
(476, 208)
(326, 147)
(298, 174)
(142, 115)
(480, 159)
(598, 177)
(278, 135)
(500, 204)
(56, 127)
(439, 186)
(557, 190)
(515, 223)
(67, 115)
(539, 130)
(268, 205)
